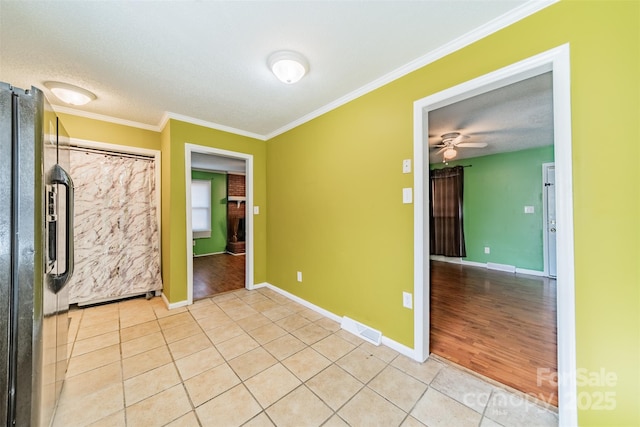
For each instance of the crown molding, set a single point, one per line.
(103, 118)
(212, 125)
(479, 33)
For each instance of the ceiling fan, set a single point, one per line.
(453, 140)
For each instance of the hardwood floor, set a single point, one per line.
(498, 324)
(214, 274)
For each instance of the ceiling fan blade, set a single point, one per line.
(442, 149)
(458, 140)
(472, 144)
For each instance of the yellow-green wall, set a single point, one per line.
(334, 191)
(174, 137)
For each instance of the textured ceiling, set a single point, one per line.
(511, 118)
(206, 60)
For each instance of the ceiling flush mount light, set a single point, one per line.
(288, 66)
(70, 94)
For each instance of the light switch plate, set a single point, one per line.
(529, 209)
(407, 301)
(299, 276)
(256, 210)
(407, 195)
(406, 166)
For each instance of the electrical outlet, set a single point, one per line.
(487, 250)
(299, 276)
(406, 166)
(407, 300)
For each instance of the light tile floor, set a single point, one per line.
(255, 358)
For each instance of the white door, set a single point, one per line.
(549, 179)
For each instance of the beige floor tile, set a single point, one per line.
(117, 419)
(251, 297)
(241, 312)
(510, 409)
(335, 386)
(311, 333)
(162, 310)
(278, 312)
(95, 343)
(144, 362)
(463, 387)
(254, 321)
(435, 409)
(94, 317)
(368, 408)
(299, 408)
(284, 346)
(228, 296)
(348, 336)
(89, 408)
(232, 408)
(335, 421)
(190, 345)
(173, 321)
(209, 384)
(361, 365)
(260, 420)
(333, 347)
(293, 322)
(152, 382)
(160, 408)
(310, 314)
(198, 362)
(252, 362)
(262, 306)
(205, 310)
(97, 329)
(237, 346)
(219, 320)
(138, 331)
(412, 422)
(397, 387)
(306, 363)
(224, 333)
(181, 332)
(135, 318)
(488, 422)
(142, 344)
(328, 324)
(272, 384)
(382, 352)
(91, 381)
(187, 420)
(93, 360)
(424, 372)
(267, 333)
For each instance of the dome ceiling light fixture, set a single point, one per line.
(288, 66)
(69, 93)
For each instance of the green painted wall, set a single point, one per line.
(496, 189)
(218, 240)
(334, 190)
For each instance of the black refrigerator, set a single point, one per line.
(36, 256)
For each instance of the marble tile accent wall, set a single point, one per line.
(117, 247)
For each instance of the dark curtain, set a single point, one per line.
(447, 236)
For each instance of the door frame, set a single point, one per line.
(556, 60)
(248, 158)
(545, 217)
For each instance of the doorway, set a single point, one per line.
(556, 61)
(224, 265)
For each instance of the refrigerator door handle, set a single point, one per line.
(58, 281)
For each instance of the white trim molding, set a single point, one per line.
(248, 158)
(557, 61)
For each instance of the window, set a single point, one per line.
(201, 208)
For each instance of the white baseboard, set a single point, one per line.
(400, 348)
(171, 306)
(212, 253)
(490, 265)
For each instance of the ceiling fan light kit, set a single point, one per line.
(453, 140)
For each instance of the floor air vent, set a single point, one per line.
(360, 330)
